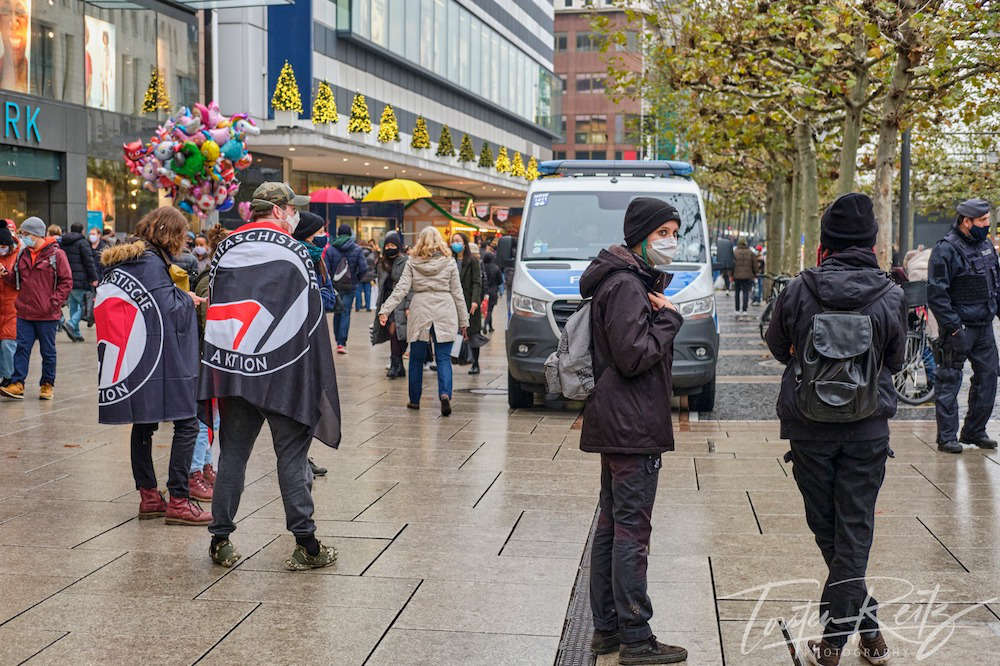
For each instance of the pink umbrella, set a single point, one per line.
(330, 195)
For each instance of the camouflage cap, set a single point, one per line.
(274, 193)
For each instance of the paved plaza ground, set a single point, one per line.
(461, 538)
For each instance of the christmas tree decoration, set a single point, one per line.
(517, 166)
(445, 147)
(486, 156)
(324, 111)
(465, 151)
(156, 93)
(360, 121)
(388, 128)
(421, 138)
(286, 93)
(503, 162)
(531, 173)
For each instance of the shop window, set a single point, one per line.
(177, 54)
(117, 194)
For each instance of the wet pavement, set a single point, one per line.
(461, 538)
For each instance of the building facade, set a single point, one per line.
(482, 68)
(73, 78)
(594, 126)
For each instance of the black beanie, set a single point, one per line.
(309, 223)
(345, 230)
(849, 222)
(644, 216)
(395, 238)
(6, 238)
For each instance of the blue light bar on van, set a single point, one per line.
(657, 168)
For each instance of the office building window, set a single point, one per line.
(591, 155)
(591, 129)
(562, 81)
(558, 154)
(590, 83)
(627, 128)
(587, 41)
(561, 43)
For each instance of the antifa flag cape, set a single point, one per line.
(266, 334)
(147, 340)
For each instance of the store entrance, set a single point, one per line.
(20, 199)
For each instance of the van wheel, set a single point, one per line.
(517, 397)
(704, 401)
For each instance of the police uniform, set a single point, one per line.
(964, 294)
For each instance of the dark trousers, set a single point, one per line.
(618, 596)
(27, 333)
(743, 288)
(839, 482)
(181, 450)
(494, 296)
(239, 425)
(982, 348)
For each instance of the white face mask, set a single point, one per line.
(661, 251)
(4, 250)
(293, 222)
(93, 238)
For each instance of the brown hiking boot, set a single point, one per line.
(13, 390)
(45, 392)
(209, 473)
(151, 504)
(182, 511)
(199, 488)
(822, 653)
(875, 650)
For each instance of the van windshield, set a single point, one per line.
(573, 226)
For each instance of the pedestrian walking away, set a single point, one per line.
(363, 297)
(492, 281)
(840, 330)
(437, 312)
(81, 263)
(471, 277)
(42, 278)
(744, 272)
(148, 360)
(633, 326)
(963, 292)
(271, 362)
(390, 270)
(9, 247)
(346, 265)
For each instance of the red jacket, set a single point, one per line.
(8, 316)
(44, 281)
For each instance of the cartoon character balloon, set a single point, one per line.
(194, 156)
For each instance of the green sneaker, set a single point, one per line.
(224, 554)
(302, 560)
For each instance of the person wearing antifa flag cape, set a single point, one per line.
(147, 351)
(267, 357)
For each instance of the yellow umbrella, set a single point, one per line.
(397, 189)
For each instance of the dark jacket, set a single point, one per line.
(189, 263)
(744, 264)
(81, 259)
(470, 273)
(387, 279)
(963, 285)
(95, 253)
(493, 276)
(847, 281)
(370, 271)
(633, 348)
(355, 259)
(724, 253)
(43, 280)
(169, 391)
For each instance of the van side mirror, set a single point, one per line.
(507, 251)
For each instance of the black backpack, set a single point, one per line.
(343, 276)
(838, 370)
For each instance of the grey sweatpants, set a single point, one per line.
(239, 425)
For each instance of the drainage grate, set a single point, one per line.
(578, 629)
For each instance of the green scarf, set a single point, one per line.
(315, 253)
(340, 240)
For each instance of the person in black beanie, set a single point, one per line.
(963, 291)
(626, 420)
(839, 465)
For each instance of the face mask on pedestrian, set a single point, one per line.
(93, 238)
(200, 251)
(457, 247)
(292, 220)
(320, 241)
(979, 233)
(4, 250)
(391, 252)
(661, 251)
(29, 241)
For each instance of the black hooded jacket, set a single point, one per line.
(847, 281)
(633, 349)
(81, 259)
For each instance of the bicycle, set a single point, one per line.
(778, 284)
(914, 384)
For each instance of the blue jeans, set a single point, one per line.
(76, 302)
(758, 292)
(45, 333)
(202, 448)
(363, 296)
(442, 356)
(342, 320)
(7, 349)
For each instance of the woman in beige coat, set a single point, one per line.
(437, 312)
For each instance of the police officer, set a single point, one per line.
(963, 293)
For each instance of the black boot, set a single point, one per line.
(604, 642)
(475, 362)
(650, 652)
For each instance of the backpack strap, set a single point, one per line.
(881, 292)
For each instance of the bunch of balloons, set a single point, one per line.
(194, 156)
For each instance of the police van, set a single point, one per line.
(570, 214)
